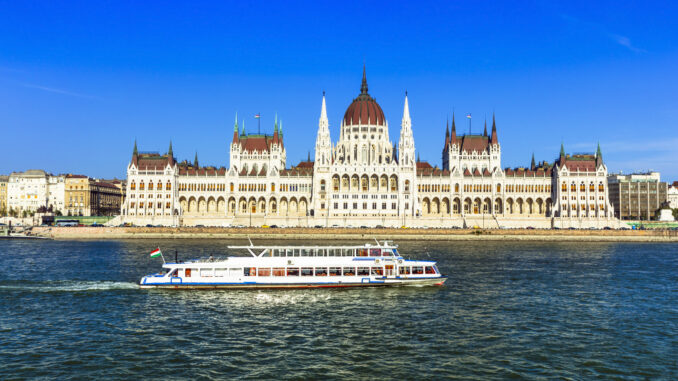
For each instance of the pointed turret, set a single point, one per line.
(170, 154)
(135, 153)
(599, 156)
(485, 130)
(323, 113)
(242, 133)
(363, 86)
(447, 133)
(533, 165)
(235, 129)
(195, 162)
(453, 135)
(562, 151)
(407, 121)
(494, 139)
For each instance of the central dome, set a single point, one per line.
(364, 110)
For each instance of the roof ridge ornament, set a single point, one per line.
(363, 86)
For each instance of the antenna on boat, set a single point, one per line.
(376, 240)
(248, 238)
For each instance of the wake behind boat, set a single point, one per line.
(368, 265)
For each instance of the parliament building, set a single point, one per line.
(366, 179)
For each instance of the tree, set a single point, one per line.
(58, 213)
(24, 213)
(675, 213)
(3, 211)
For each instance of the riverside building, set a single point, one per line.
(637, 196)
(367, 179)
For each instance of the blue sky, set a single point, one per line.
(79, 81)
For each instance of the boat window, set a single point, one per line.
(363, 271)
(274, 252)
(292, 271)
(375, 252)
(386, 253)
(430, 270)
(220, 272)
(347, 252)
(417, 270)
(264, 271)
(278, 271)
(349, 271)
(173, 273)
(206, 272)
(235, 272)
(436, 269)
(250, 271)
(306, 271)
(377, 271)
(404, 270)
(335, 271)
(187, 273)
(362, 252)
(288, 252)
(321, 271)
(308, 252)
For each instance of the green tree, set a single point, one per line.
(675, 213)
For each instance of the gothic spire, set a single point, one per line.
(195, 162)
(242, 133)
(599, 156)
(135, 152)
(363, 86)
(562, 150)
(407, 122)
(235, 126)
(453, 137)
(494, 139)
(170, 153)
(323, 109)
(485, 130)
(533, 166)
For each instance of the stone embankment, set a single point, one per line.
(99, 233)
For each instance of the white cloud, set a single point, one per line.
(58, 91)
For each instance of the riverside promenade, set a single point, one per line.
(114, 233)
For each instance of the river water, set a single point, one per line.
(72, 309)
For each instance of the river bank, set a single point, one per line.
(105, 233)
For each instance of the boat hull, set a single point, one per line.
(439, 281)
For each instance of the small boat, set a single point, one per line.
(368, 265)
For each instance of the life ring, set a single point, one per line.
(400, 261)
(376, 261)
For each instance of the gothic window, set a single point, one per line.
(132, 186)
(150, 185)
(141, 185)
(322, 185)
(407, 185)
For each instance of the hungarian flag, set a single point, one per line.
(257, 116)
(468, 115)
(156, 253)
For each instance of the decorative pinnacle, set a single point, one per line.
(363, 86)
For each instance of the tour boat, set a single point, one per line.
(368, 265)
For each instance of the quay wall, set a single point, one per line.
(103, 233)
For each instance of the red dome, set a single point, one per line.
(364, 109)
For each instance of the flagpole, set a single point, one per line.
(259, 123)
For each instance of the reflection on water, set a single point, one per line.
(509, 309)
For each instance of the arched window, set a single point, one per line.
(133, 186)
(322, 185)
(150, 185)
(498, 188)
(456, 187)
(141, 185)
(407, 185)
(159, 185)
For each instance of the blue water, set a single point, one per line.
(71, 309)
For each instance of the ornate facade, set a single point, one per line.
(365, 179)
